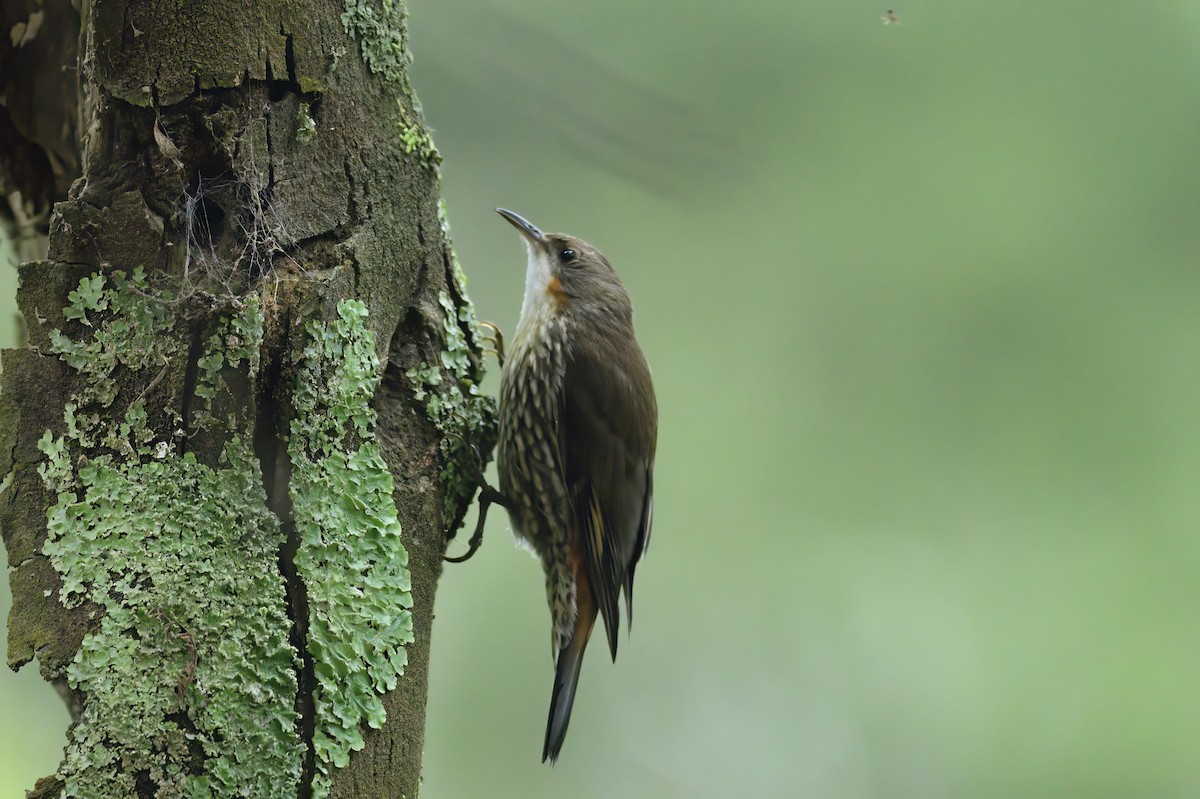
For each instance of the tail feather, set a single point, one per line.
(566, 679)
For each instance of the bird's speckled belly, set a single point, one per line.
(528, 456)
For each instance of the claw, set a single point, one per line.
(488, 496)
(497, 341)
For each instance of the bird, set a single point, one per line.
(578, 435)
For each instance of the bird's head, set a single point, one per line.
(566, 275)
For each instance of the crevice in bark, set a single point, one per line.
(270, 446)
(351, 201)
(289, 55)
(196, 757)
(190, 375)
(144, 785)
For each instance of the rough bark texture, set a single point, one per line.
(248, 179)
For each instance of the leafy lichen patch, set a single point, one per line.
(460, 277)
(351, 559)
(414, 135)
(464, 416)
(188, 677)
(236, 341)
(134, 334)
(379, 27)
(306, 126)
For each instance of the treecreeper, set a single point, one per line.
(578, 432)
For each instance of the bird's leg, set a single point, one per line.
(496, 339)
(488, 496)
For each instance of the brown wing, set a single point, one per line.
(607, 435)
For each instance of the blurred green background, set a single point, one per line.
(921, 305)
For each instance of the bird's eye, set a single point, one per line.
(567, 256)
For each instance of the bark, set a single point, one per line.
(251, 376)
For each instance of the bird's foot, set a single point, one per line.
(488, 496)
(496, 339)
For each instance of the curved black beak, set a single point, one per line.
(527, 228)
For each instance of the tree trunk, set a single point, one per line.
(240, 428)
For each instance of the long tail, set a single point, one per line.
(566, 676)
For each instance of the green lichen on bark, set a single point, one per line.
(237, 340)
(188, 677)
(306, 126)
(133, 336)
(352, 562)
(415, 136)
(460, 277)
(379, 28)
(464, 416)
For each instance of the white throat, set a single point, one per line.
(538, 273)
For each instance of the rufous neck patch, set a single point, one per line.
(556, 292)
